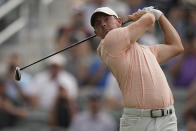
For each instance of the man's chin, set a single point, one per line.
(106, 33)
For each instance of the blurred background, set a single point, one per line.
(74, 91)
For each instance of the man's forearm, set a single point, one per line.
(171, 36)
(141, 25)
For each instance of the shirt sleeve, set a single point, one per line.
(116, 41)
(155, 50)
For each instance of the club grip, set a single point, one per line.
(127, 21)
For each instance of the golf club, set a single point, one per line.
(18, 73)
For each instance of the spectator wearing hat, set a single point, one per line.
(45, 86)
(17, 90)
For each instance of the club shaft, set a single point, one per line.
(88, 38)
(59, 51)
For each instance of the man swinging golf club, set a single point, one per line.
(147, 98)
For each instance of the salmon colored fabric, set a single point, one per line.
(139, 75)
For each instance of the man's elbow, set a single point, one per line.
(151, 19)
(148, 19)
(179, 49)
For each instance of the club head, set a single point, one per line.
(17, 74)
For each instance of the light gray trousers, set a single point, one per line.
(132, 122)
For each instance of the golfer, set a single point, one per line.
(147, 98)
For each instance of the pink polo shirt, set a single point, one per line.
(139, 75)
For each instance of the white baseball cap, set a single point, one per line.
(57, 60)
(105, 10)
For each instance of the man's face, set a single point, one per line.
(105, 23)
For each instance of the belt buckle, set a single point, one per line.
(154, 116)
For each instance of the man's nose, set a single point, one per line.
(103, 23)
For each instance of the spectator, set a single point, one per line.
(183, 71)
(120, 7)
(192, 91)
(62, 37)
(81, 57)
(45, 86)
(191, 17)
(9, 112)
(149, 38)
(191, 119)
(63, 111)
(77, 22)
(112, 93)
(190, 99)
(88, 8)
(134, 5)
(163, 5)
(93, 119)
(176, 17)
(113, 98)
(17, 90)
(80, 28)
(98, 74)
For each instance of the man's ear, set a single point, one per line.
(119, 20)
(95, 32)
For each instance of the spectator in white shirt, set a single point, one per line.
(45, 86)
(112, 93)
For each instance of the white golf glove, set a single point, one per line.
(157, 13)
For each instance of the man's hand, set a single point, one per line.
(135, 16)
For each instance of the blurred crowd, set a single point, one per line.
(75, 91)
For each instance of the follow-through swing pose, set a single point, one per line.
(147, 98)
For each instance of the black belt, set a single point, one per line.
(154, 113)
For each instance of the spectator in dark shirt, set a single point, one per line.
(183, 69)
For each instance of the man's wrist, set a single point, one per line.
(157, 13)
